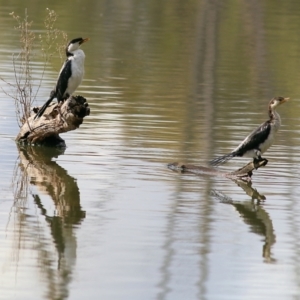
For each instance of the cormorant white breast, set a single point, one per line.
(259, 140)
(70, 75)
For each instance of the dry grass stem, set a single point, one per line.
(24, 87)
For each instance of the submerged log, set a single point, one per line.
(57, 118)
(244, 173)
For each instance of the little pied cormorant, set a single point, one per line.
(70, 75)
(259, 140)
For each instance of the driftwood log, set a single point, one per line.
(244, 173)
(57, 118)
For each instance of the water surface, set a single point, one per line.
(165, 81)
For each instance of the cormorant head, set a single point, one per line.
(74, 45)
(277, 101)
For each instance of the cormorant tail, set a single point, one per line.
(222, 159)
(43, 108)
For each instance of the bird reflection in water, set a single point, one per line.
(254, 215)
(35, 167)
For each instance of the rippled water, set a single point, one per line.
(166, 81)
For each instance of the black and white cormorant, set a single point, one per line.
(70, 75)
(260, 139)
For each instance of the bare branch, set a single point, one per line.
(23, 92)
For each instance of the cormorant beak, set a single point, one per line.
(84, 40)
(284, 100)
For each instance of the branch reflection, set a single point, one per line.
(56, 255)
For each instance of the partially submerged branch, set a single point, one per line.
(58, 118)
(244, 173)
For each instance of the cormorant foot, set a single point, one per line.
(257, 159)
(258, 162)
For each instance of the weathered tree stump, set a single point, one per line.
(244, 173)
(57, 118)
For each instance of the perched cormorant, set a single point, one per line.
(70, 75)
(260, 139)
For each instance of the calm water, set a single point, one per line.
(166, 81)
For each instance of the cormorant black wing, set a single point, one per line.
(60, 89)
(62, 81)
(254, 139)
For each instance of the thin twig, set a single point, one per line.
(23, 92)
